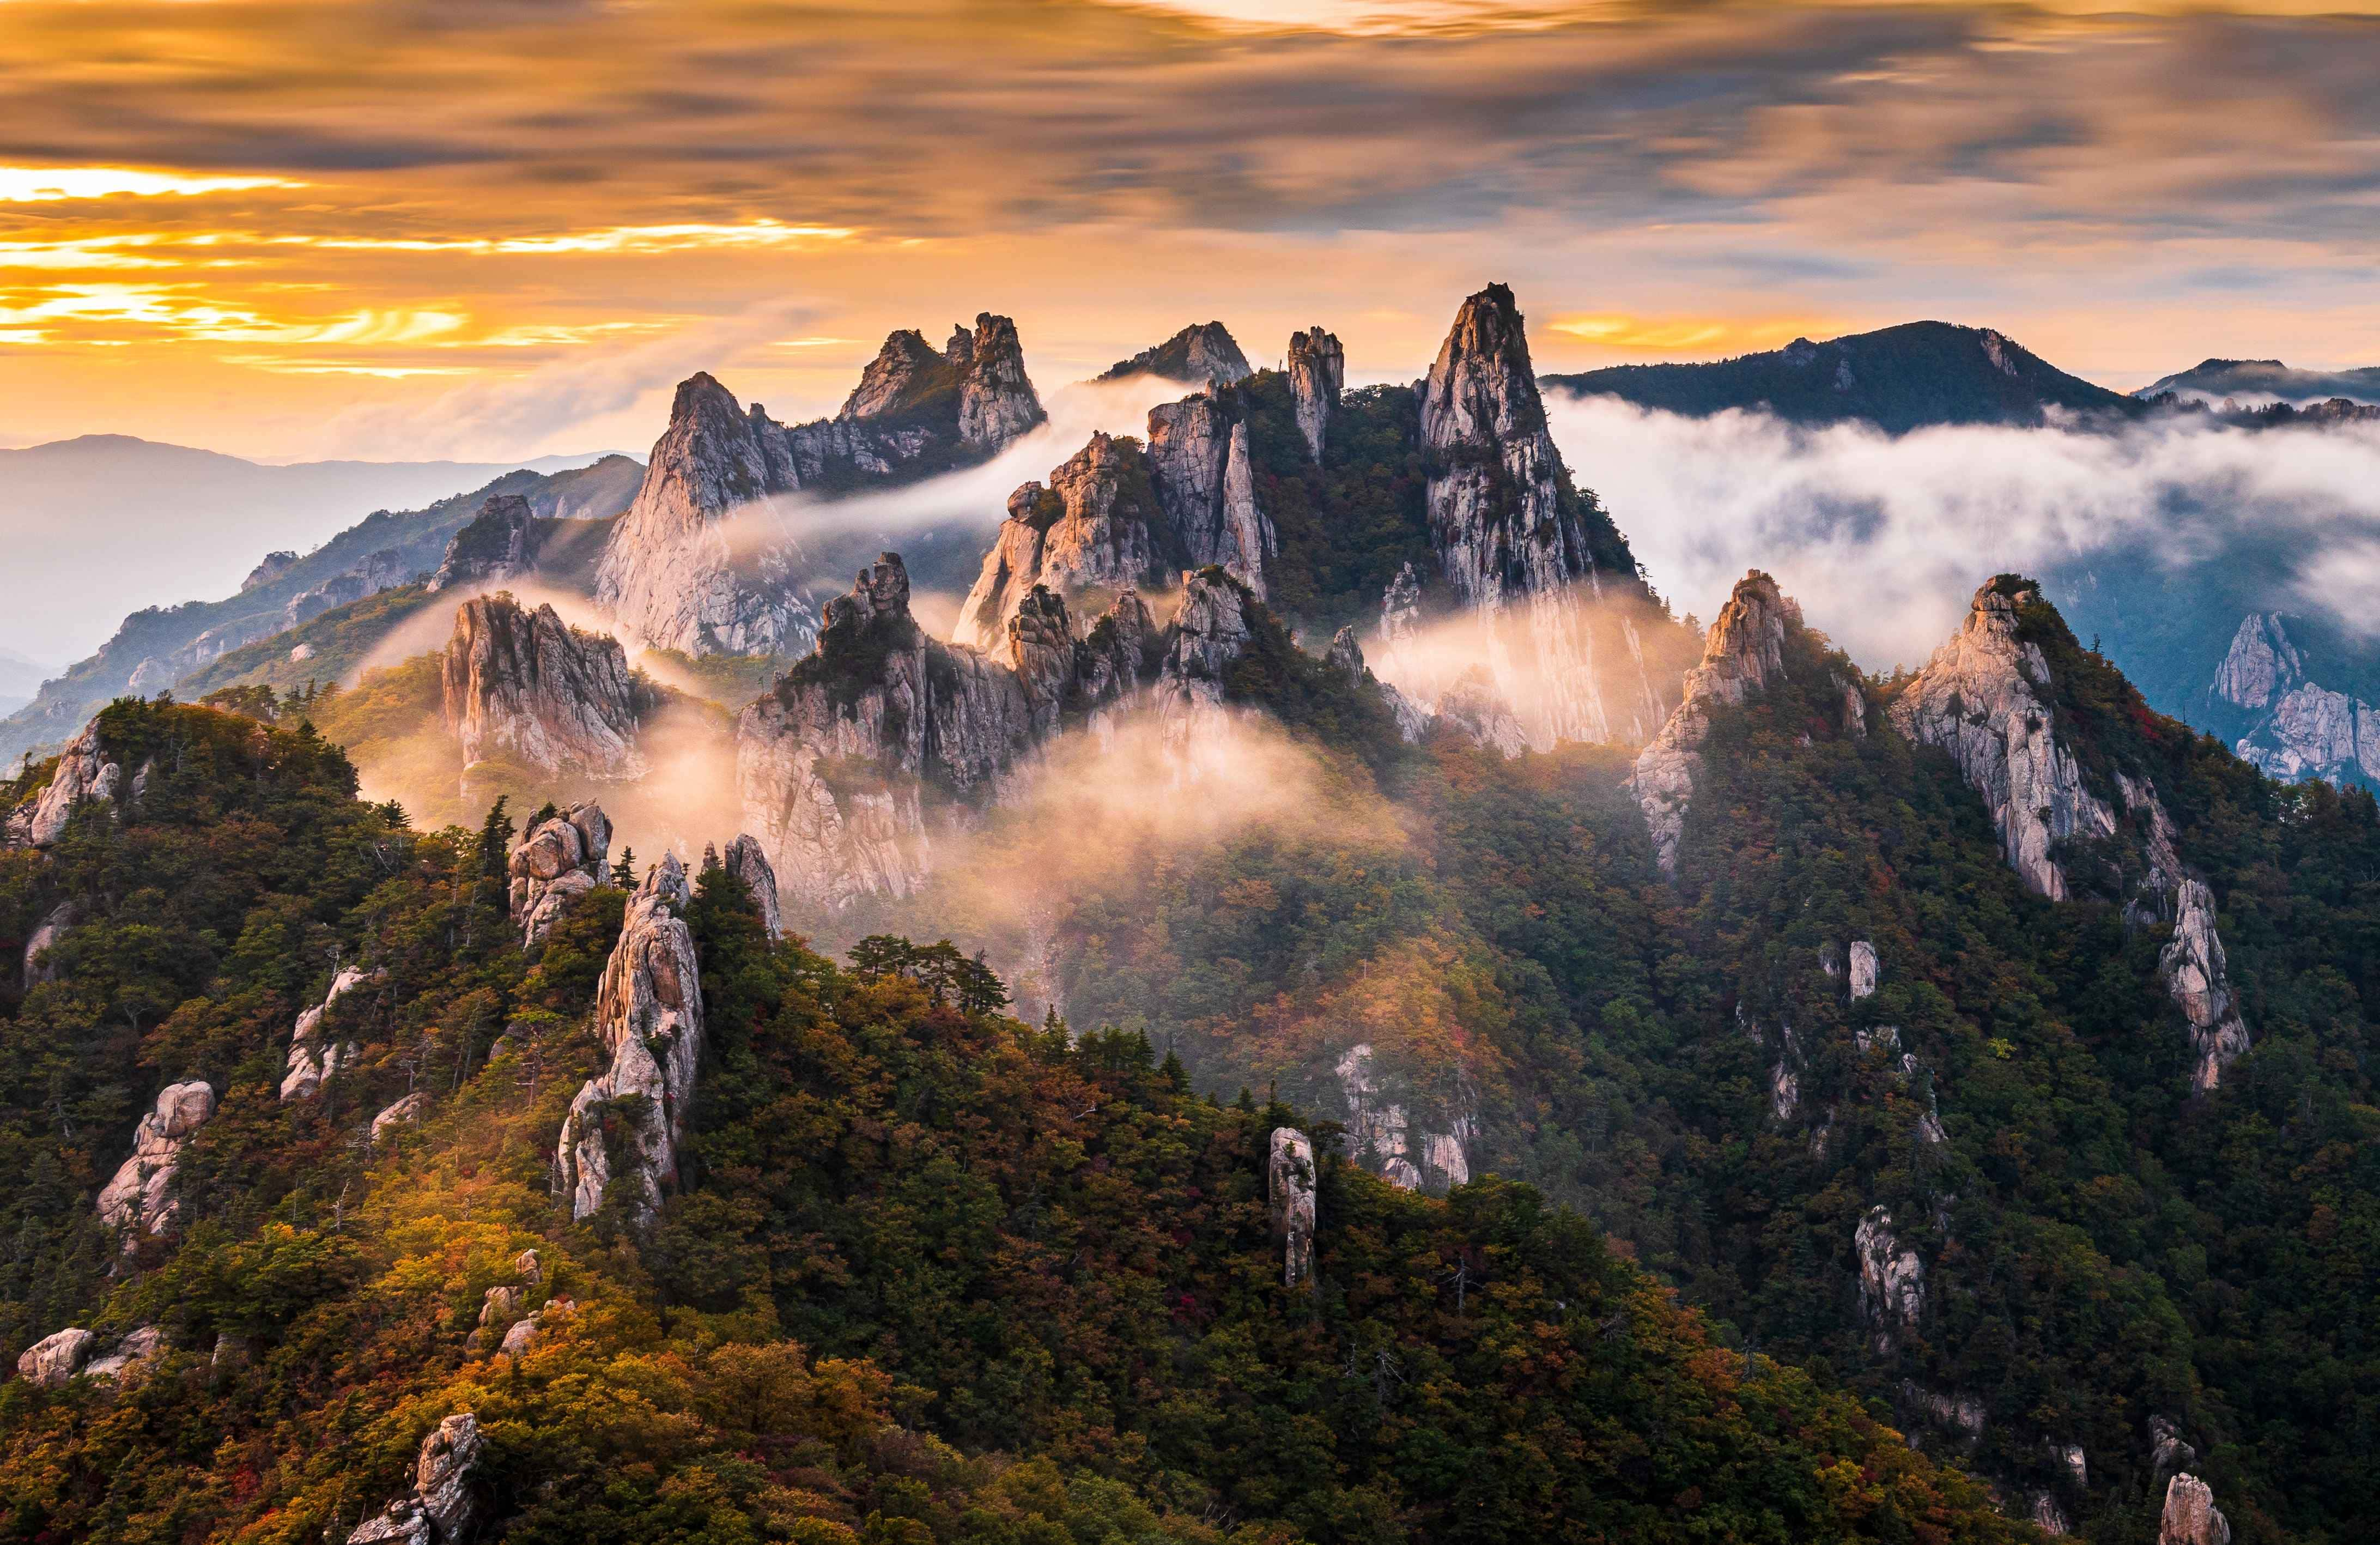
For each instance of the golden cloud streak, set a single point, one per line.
(1680, 334)
(26, 185)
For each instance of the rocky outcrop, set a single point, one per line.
(1744, 652)
(528, 685)
(1318, 372)
(559, 859)
(274, 566)
(1891, 1280)
(138, 1201)
(1384, 1139)
(160, 672)
(1981, 699)
(2297, 729)
(56, 1358)
(130, 1358)
(499, 543)
(399, 1113)
(1097, 528)
(441, 1508)
(1205, 483)
(882, 736)
(2191, 964)
(85, 771)
(2191, 1517)
(747, 862)
(1203, 353)
(1346, 657)
(1984, 697)
(1289, 1185)
(503, 1305)
(380, 571)
(1509, 532)
(315, 1057)
(1862, 969)
(54, 926)
(680, 574)
(649, 1015)
(1472, 709)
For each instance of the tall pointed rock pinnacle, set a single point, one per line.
(1745, 652)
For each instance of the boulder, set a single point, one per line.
(400, 1112)
(56, 1358)
(558, 860)
(138, 1200)
(132, 1356)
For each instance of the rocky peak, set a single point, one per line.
(2261, 664)
(649, 1015)
(1742, 653)
(500, 542)
(1209, 633)
(747, 862)
(1098, 525)
(1318, 372)
(997, 402)
(528, 685)
(1204, 353)
(1981, 699)
(441, 1509)
(903, 371)
(274, 566)
(559, 859)
(1205, 480)
(1985, 697)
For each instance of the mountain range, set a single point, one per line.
(1711, 1091)
(2258, 380)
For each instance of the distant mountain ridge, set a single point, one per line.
(2250, 379)
(1912, 376)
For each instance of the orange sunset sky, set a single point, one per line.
(396, 229)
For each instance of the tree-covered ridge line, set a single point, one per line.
(931, 1273)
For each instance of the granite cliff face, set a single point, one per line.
(649, 1015)
(1289, 1187)
(676, 575)
(138, 1201)
(1318, 372)
(559, 859)
(1204, 353)
(1122, 516)
(2297, 728)
(85, 771)
(1516, 541)
(500, 543)
(1986, 697)
(526, 685)
(849, 766)
(1744, 652)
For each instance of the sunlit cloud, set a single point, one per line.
(616, 238)
(1676, 335)
(25, 185)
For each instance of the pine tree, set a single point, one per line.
(495, 839)
(623, 873)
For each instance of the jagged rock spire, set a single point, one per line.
(1317, 372)
(500, 542)
(1289, 1186)
(649, 1015)
(1744, 652)
(526, 685)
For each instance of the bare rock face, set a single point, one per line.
(85, 771)
(314, 1056)
(1507, 531)
(130, 1358)
(56, 1358)
(2192, 963)
(1290, 1186)
(530, 686)
(747, 862)
(1097, 526)
(501, 543)
(848, 766)
(1472, 709)
(2261, 664)
(440, 1510)
(2191, 1517)
(1205, 354)
(648, 1014)
(1346, 657)
(1892, 1280)
(2297, 729)
(1205, 489)
(399, 1113)
(1318, 372)
(381, 571)
(1385, 1137)
(1863, 968)
(997, 402)
(1744, 652)
(274, 566)
(138, 1200)
(1980, 698)
(559, 859)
